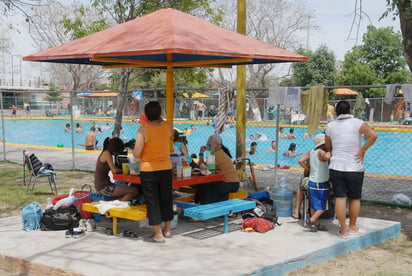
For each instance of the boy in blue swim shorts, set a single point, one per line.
(318, 184)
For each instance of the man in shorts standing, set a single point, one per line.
(91, 142)
(346, 169)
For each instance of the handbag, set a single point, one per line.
(63, 218)
(83, 196)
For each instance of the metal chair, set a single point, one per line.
(37, 170)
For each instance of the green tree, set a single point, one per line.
(378, 61)
(403, 10)
(320, 70)
(53, 96)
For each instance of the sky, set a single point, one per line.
(333, 20)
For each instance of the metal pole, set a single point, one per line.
(12, 71)
(277, 143)
(72, 130)
(3, 136)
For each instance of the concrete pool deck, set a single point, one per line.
(195, 249)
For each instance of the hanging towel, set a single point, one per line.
(277, 95)
(314, 105)
(390, 92)
(360, 105)
(293, 97)
(407, 92)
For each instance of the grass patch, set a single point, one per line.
(13, 196)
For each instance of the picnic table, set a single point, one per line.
(177, 181)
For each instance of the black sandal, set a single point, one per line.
(321, 227)
(312, 226)
(129, 234)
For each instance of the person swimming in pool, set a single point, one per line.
(291, 152)
(67, 128)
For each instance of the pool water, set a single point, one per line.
(386, 156)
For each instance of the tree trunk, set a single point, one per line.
(121, 100)
(406, 28)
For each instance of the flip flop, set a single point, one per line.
(299, 217)
(359, 232)
(152, 240)
(194, 220)
(345, 237)
(167, 236)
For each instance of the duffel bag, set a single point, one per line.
(63, 218)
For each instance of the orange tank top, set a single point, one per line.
(156, 151)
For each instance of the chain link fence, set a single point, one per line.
(41, 128)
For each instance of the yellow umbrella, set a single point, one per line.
(198, 95)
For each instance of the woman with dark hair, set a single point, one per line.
(291, 152)
(346, 168)
(104, 164)
(153, 149)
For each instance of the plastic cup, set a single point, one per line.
(187, 171)
(125, 168)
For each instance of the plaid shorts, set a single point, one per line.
(108, 190)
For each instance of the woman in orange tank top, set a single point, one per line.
(153, 149)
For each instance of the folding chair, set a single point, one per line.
(34, 166)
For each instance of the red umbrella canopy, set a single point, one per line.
(164, 37)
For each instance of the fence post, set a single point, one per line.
(72, 130)
(2, 126)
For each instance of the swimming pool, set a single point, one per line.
(389, 155)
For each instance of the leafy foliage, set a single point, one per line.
(321, 69)
(378, 61)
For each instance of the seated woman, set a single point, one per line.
(104, 164)
(218, 191)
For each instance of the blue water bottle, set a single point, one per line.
(282, 199)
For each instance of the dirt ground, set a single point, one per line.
(390, 258)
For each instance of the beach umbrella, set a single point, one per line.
(224, 101)
(341, 92)
(166, 39)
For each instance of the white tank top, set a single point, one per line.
(346, 142)
(319, 171)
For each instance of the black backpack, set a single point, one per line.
(264, 209)
(63, 218)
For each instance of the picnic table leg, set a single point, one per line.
(114, 225)
(226, 225)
